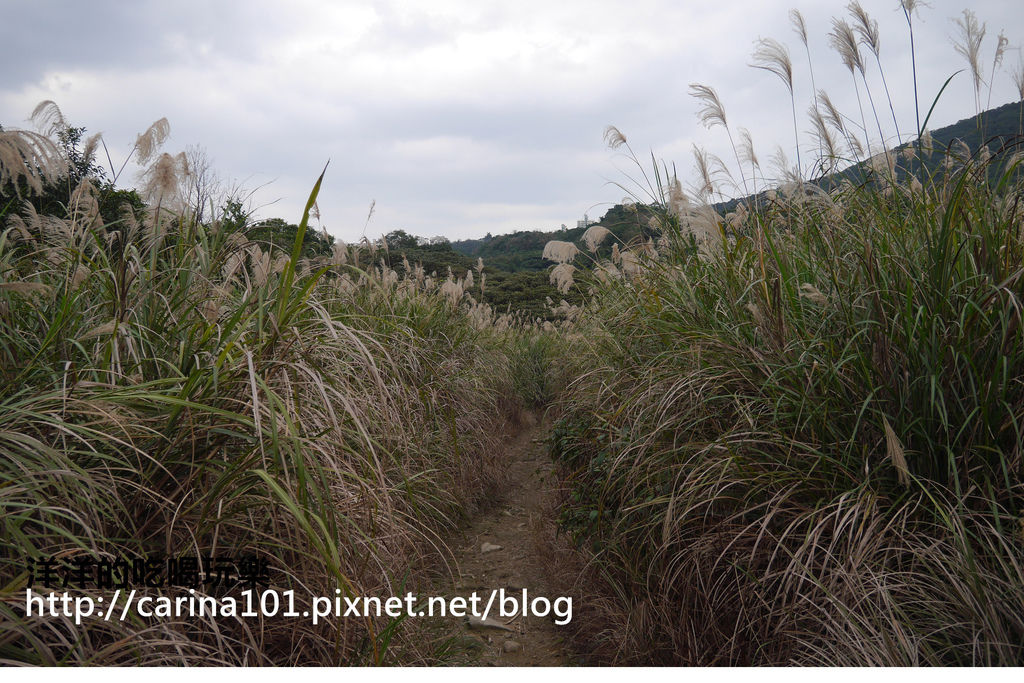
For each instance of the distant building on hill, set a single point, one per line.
(585, 223)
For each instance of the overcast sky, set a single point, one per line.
(460, 117)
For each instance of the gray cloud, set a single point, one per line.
(457, 117)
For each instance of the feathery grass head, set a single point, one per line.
(562, 277)
(1002, 42)
(605, 271)
(559, 251)
(629, 262)
(711, 112)
(452, 290)
(594, 235)
(969, 44)
(831, 114)
(844, 41)
(49, 119)
(702, 222)
(883, 165)
(161, 180)
(780, 164)
(799, 26)
(771, 55)
(702, 163)
(83, 207)
(746, 148)
(813, 294)
(911, 6)
(89, 148)
(147, 143)
(1018, 79)
(710, 170)
(339, 254)
(31, 157)
(825, 138)
(678, 202)
(613, 137)
(866, 27)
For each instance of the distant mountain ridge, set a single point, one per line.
(517, 275)
(521, 250)
(1000, 129)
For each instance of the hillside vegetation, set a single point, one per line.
(174, 389)
(795, 435)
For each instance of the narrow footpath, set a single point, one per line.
(508, 547)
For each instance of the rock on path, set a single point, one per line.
(500, 549)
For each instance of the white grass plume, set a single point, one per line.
(780, 165)
(746, 148)
(562, 277)
(825, 140)
(702, 163)
(831, 112)
(800, 28)
(678, 202)
(83, 207)
(799, 25)
(711, 112)
(613, 137)
(813, 294)
(866, 27)
(844, 41)
(911, 6)
(559, 251)
(606, 271)
(896, 453)
(1001, 44)
(594, 236)
(48, 118)
(149, 142)
(1018, 79)
(969, 47)
(772, 56)
(629, 262)
(339, 254)
(29, 156)
(161, 180)
(452, 290)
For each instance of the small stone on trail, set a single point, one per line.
(486, 547)
(511, 646)
(478, 622)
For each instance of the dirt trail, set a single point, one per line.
(522, 523)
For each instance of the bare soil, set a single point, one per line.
(522, 522)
